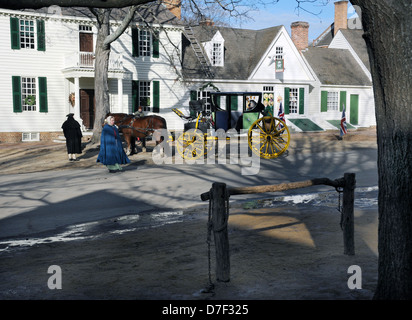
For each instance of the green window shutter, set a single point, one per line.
(193, 95)
(155, 44)
(14, 33)
(342, 100)
(324, 101)
(43, 94)
(287, 96)
(16, 84)
(135, 95)
(135, 42)
(301, 100)
(156, 96)
(41, 36)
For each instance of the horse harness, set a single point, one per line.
(147, 131)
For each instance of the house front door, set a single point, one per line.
(87, 107)
(354, 109)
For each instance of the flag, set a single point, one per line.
(281, 115)
(343, 129)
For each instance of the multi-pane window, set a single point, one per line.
(144, 43)
(217, 54)
(28, 93)
(293, 100)
(268, 99)
(333, 101)
(144, 95)
(279, 53)
(27, 34)
(84, 28)
(205, 96)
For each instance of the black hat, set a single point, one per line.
(70, 115)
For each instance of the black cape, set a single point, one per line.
(73, 135)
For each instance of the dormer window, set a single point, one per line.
(215, 50)
(217, 54)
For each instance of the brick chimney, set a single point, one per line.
(341, 16)
(175, 7)
(300, 34)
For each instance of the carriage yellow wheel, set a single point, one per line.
(268, 137)
(191, 144)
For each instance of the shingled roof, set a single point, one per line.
(242, 51)
(335, 67)
(357, 42)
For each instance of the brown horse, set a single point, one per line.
(137, 127)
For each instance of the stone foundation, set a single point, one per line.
(14, 137)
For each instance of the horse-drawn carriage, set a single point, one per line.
(268, 136)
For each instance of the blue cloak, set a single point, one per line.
(111, 149)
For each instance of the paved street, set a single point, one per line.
(141, 234)
(41, 202)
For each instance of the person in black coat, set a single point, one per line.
(73, 135)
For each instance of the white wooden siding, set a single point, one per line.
(295, 67)
(62, 40)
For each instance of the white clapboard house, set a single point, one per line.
(48, 68)
(160, 63)
(313, 82)
(340, 62)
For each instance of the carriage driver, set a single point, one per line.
(139, 113)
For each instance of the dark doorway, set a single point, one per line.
(86, 49)
(86, 42)
(87, 107)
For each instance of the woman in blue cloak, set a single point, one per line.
(111, 152)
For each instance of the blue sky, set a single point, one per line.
(285, 12)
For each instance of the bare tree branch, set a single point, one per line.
(125, 23)
(37, 4)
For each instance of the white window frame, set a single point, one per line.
(279, 53)
(294, 100)
(333, 101)
(27, 37)
(85, 29)
(144, 92)
(145, 43)
(205, 96)
(217, 54)
(28, 88)
(30, 136)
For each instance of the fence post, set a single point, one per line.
(348, 224)
(219, 223)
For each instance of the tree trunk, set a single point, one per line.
(388, 38)
(101, 84)
(101, 68)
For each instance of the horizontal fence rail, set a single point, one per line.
(218, 197)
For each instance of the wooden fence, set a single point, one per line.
(219, 213)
